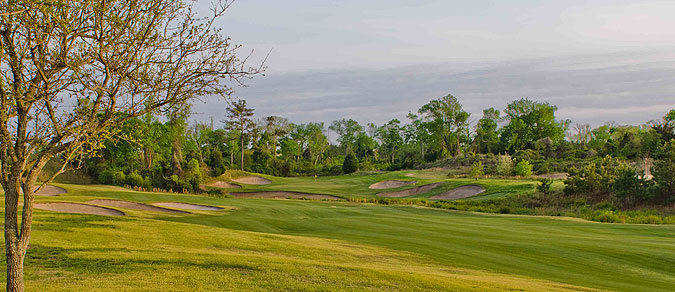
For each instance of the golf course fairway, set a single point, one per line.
(298, 245)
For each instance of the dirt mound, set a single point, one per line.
(554, 175)
(390, 184)
(187, 206)
(133, 206)
(223, 185)
(410, 192)
(283, 195)
(51, 191)
(78, 208)
(460, 193)
(253, 180)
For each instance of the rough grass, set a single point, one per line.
(320, 246)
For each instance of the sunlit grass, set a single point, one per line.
(315, 246)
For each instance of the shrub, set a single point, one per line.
(544, 168)
(217, 162)
(106, 176)
(595, 178)
(118, 178)
(664, 171)
(545, 186)
(608, 217)
(350, 164)
(631, 187)
(504, 165)
(476, 169)
(580, 202)
(136, 180)
(179, 185)
(605, 206)
(192, 176)
(524, 168)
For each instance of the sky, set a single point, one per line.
(375, 60)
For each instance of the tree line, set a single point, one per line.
(167, 152)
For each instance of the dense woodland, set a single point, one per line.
(634, 164)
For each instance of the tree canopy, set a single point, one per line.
(74, 70)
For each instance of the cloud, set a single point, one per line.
(628, 88)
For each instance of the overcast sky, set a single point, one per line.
(375, 60)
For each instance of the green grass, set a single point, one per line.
(319, 246)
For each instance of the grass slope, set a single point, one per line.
(93, 253)
(427, 246)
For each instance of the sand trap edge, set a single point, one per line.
(391, 184)
(285, 195)
(186, 206)
(78, 208)
(133, 206)
(221, 185)
(461, 192)
(51, 191)
(410, 192)
(252, 180)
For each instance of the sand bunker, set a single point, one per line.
(410, 192)
(283, 195)
(187, 206)
(51, 191)
(133, 206)
(253, 180)
(223, 185)
(460, 193)
(390, 184)
(78, 208)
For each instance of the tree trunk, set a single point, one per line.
(14, 268)
(274, 151)
(241, 139)
(422, 150)
(177, 157)
(16, 240)
(457, 151)
(231, 157)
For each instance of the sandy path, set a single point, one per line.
(134, 206)
(223, 185)
(460, 193)
(410, 192)
(187, 206)
(253, 180)
(390, 184)
(78, 208)
(284, 194)
(553, 175)
(51, 191)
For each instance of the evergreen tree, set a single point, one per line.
(350, 164)
(239, 119)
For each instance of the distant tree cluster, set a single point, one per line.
(526, 139)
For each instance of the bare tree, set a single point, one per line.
(584, 133)
(70, 71)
